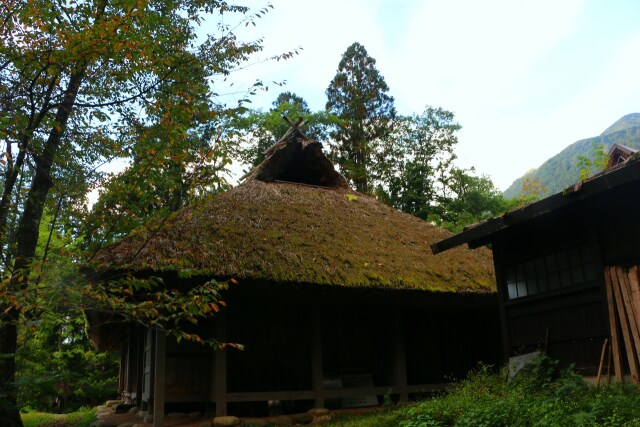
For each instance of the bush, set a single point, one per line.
(58, 370)
(539, 396)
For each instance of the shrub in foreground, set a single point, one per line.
(541, 396)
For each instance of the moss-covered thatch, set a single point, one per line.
(294, 233)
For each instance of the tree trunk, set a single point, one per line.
(27, 240)
(9, 184)
(9, 415)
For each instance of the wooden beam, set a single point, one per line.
(159, 375)
(259, 396)
(625, 288)
(615, 345)
(317, 373)
(624, 325)
(605, 344)
(634, 285)
(220, 368)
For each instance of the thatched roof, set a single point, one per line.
(295, 158)
(298, 233)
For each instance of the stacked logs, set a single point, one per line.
(623, 298)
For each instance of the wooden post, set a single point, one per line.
(634, 285)
(317, 374)
(609, 365)
(159, 375)
(140, 363)
(624, 325)
(221, 368)
(605, 344)
(123, 368)
(400, 361)
(615, 345)
(132, 358)
(502, 297)
(625, 288)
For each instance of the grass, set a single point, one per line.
(82, 418)
(387, 418)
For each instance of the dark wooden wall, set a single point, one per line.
(398, 339)
(446, 343)
(444, 335)
(572, 322)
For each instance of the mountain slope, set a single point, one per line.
(562, 170)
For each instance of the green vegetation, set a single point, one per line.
(358, 96)
(595, 163)
(566, 167)
(539, 396)
(58, 370)
(385, 418)
(81, 418)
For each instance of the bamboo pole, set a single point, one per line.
(602, 355)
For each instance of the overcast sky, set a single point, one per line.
(524, 78)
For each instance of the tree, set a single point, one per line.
(357, 95)
(418, 153)
(258, 130)
(57, 369)
(532, 189)
(79, 81)
(595, 163)
(417, 173)
(469, 199)
(160, 179)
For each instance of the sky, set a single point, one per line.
(523, 78)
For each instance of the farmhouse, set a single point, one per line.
(334, 296)
(566, 270)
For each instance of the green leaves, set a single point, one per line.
(357, 95)
(84, 82)
(594, 163)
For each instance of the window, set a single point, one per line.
(566, 267)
